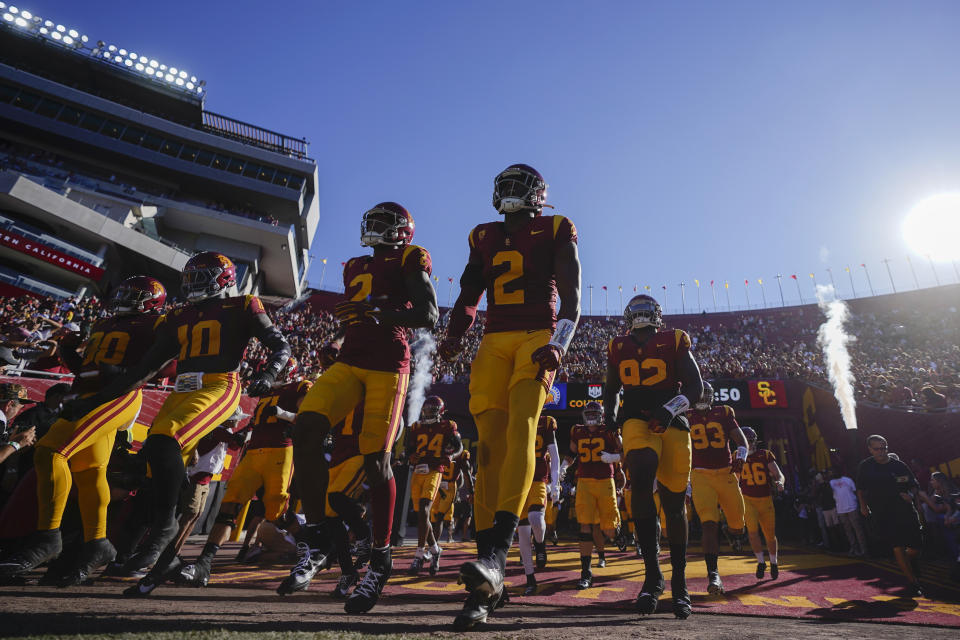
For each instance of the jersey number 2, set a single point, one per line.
(514, 262)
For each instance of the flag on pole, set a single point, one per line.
(634, 288)
(604, 287)
(696, 282)
(620, 288)
(711, 283)
(847, 269)
(863, 265)
(343, 264)
(794, 276)
(811, 276)
(324, 261)
(647, 287)
(759, 280)
(450, 280)
(726, 284)
(746, 282)
(664, 287)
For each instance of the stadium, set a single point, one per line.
(164, 354)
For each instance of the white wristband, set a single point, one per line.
(563, 334)
(677, 405)
(741, 453)
(285, 415)
(15, 445)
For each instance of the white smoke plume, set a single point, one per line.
(421, 352)
(833, 340)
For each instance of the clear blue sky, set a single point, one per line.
(695, 140)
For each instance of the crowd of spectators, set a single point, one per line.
(900, 358)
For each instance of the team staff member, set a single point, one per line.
(545, 486)
(431, 443)
(660, 380)
(78, 448)
(598, 450)
(523, 263)
(385, 294)
(208, 337)
(713, 479)
(885, 489)
(267, 463)
(759, 470)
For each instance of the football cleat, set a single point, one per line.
(42, 547)
(774, 571)
(435, 563)
(242, 553)
(196, 574)
(682, 608)
(649, 596)
(553, 538)
(367, 593)
(761, 568)
(346, 582)
(621, 541)
(586, 580)
(601, 563)
(475, 610)
(714, 584)
(156, 577)
(531, 588)
(483, 577)
(540, 555)
(416, 566)
(149, 551)
(309, 562)
(95, 554)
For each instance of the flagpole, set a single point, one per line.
(713, 293)
(833, 284)
(956, 272)
(449, 291)
(814, 278)
(886, 261)
(780, 287)
(916, 283)
(591, 299)
(869, 284)
(797, 280)
(934, 269)
(664, 296)
(763, 292)
(606, 302)
(746, 291)
(852, 288)
(683, 299)
(323, 271)
(726, 285)
(620, 293)
(699, 304)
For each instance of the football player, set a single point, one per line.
(660, 381)
(760, 471)
(78, 449)
(267, 463)
(523, 263)
(456, 475)
(385, 294)
(431, 444)
(597, 450)
(532, 529)
(714, 482)
(208, 337)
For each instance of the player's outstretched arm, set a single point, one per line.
(464, 311)
(270, 337)
(423, 313)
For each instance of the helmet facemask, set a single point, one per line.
(643, 311)
(706, 398)
(516, 189)
(593, 415)
(431, 411)
(201, 283)
(383, 226)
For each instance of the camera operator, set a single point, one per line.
(886, 490)
(12, 399)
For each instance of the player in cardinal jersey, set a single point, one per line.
(597, 450)
(456, 475)
(522, 263)
(759, 471)
(208, 337)
(660, 380)
(79, 449)
(712, 428)
(545, 486)
(384, 294)
(267, 463)
(431, 443)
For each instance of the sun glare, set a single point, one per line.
(932, 228)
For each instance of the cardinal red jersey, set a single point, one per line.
(382, 280)
(518, 271)
(755, 477)
(213, 334)
(546, 433)
(589, 445)
(429, 440)
(710, 436)
(271, 431)
(346, 437)
(119, 341)
(648, 370)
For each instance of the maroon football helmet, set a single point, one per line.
(643, 311)
(139, 294)
(432, 410)
(386, 223)
(593, 414)
(519, 187)
(207, 274)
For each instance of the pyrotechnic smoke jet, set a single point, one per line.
(421, 352)
(833, 340)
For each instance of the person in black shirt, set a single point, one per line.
(886, 489)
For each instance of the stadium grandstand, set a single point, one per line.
(111, 166)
